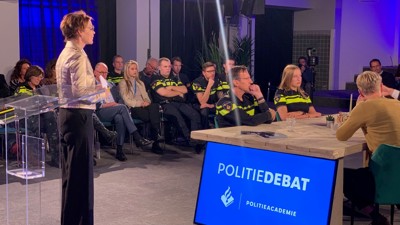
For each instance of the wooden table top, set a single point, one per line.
(310, 137)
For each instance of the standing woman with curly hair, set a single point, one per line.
(18, 75)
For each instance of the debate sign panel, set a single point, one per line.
(241, 185)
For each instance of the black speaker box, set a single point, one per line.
(252, 7)
(229, 8)
(232, 10)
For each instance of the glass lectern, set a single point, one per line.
(24, 120)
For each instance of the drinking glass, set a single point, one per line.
(290, 123)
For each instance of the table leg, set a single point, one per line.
(337, 205)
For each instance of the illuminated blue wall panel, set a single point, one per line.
(40, 35)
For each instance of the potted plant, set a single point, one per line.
(211, 52)
(242, 52)
(330, 120)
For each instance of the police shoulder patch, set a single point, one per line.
(195, 86)
(154, 85)
(227, 105)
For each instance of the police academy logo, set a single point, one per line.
(227, 197)
(262, 176)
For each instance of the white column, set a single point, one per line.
(9, 44)
(138, 29)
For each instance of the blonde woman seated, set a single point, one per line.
(290, 99)
(134, 94)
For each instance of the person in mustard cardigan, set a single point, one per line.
(378, 118)
(136, 97)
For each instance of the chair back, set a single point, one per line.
(216, 122)
(385, 166)
(116, 95)
(277, 116)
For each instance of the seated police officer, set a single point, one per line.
(117, 74)
(245, 101)
(48, 122)
(208, 91)
(224, 78)
(169, 92)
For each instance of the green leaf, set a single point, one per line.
(242, 52)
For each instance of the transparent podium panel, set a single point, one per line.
(24, 203)
(66, 95)
(32, 159)
(33, 105)
(29, 133)
(25, 162)
(26, 156)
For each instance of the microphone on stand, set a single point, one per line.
(269, 85)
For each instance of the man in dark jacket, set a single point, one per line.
(387, 78)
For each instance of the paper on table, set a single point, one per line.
(265, 134)
(103, 82)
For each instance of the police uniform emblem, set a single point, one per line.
(277, 98)
(153, 85)
(195, 86)
(227, 106)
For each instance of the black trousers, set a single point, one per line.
(76, 129)
(359, 186)
(204, 113)
(149, 114)
(177, 112)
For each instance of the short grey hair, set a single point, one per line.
(368, 82)
(149, 60)
(236, 70)
(101, 64)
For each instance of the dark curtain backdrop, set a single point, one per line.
(107, 32)
(40, 36)
(185, 28)
(274, 46)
